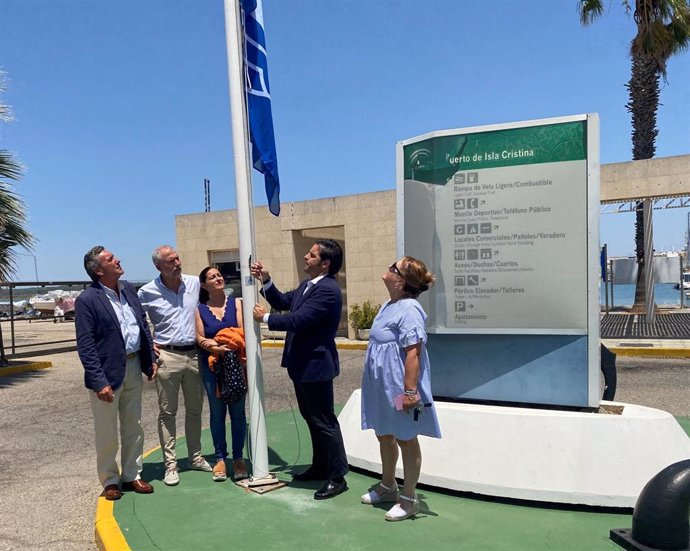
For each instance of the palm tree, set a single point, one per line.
(663, 29)
(13, 223)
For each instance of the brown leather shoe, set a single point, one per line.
(239, 470)
(138, 486)
(111, 492)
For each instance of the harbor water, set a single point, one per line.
(665, 294)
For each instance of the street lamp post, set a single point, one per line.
(35, 263)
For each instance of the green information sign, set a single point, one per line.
(507, 217)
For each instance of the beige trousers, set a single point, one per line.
(126, 406)
(179, 370)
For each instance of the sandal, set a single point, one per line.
(397, 512)
(373, 496)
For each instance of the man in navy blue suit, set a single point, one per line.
(115, 347)
(310, 356)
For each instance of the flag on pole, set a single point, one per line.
(259, 101)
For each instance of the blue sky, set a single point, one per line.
(122, 107)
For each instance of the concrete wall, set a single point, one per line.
(661, 177)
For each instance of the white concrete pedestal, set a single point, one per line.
(536, 454)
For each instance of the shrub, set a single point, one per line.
(362, 316)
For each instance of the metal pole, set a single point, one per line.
(606, 296)
(35, 267)
(12, 318)
(613, 304)
(648, 260)
(257, 426)
(3, 357)
(605, 277)
(687, 240)
(682, 291)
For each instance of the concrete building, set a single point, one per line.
(365, 226)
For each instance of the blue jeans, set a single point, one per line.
(218, 410)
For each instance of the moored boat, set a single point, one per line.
(48, 302)
(685, 282)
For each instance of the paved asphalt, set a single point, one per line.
(48, 482)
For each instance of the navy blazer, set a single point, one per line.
(100, 344)
(310, 354)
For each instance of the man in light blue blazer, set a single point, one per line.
(115, 348)
(311, 319)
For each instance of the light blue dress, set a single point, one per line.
(397, 325)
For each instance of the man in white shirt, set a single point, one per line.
(170, 301)
(114, 346)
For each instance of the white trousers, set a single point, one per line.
(179, 370)
(126, 406)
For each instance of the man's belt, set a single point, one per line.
(177, 348)
(131, 355)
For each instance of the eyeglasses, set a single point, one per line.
(393, 268)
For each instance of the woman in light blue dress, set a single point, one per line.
(396, 386)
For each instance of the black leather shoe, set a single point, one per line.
(331, 488)
(309, 474)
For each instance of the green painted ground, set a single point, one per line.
(200, 514)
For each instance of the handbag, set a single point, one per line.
(232, 382)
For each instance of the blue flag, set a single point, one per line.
(259, 101)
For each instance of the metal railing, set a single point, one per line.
(13, 294)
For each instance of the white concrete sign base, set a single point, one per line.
(536, 454)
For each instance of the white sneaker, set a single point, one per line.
(172, 478)
(200, 465)
(387, 495)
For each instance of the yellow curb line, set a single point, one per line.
(339, 345)
(108, 534)
(33, 366)
(109, 537)
(652, 352)
(272, 344)
(352, 345)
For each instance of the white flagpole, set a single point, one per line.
(240, 147)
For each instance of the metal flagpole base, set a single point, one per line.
(261, 485)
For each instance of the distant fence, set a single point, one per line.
(667, 269)
(28, 331)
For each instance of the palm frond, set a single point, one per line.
(10, 168)
(589, 10)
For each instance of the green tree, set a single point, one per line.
(13, 223)
(663, 29)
